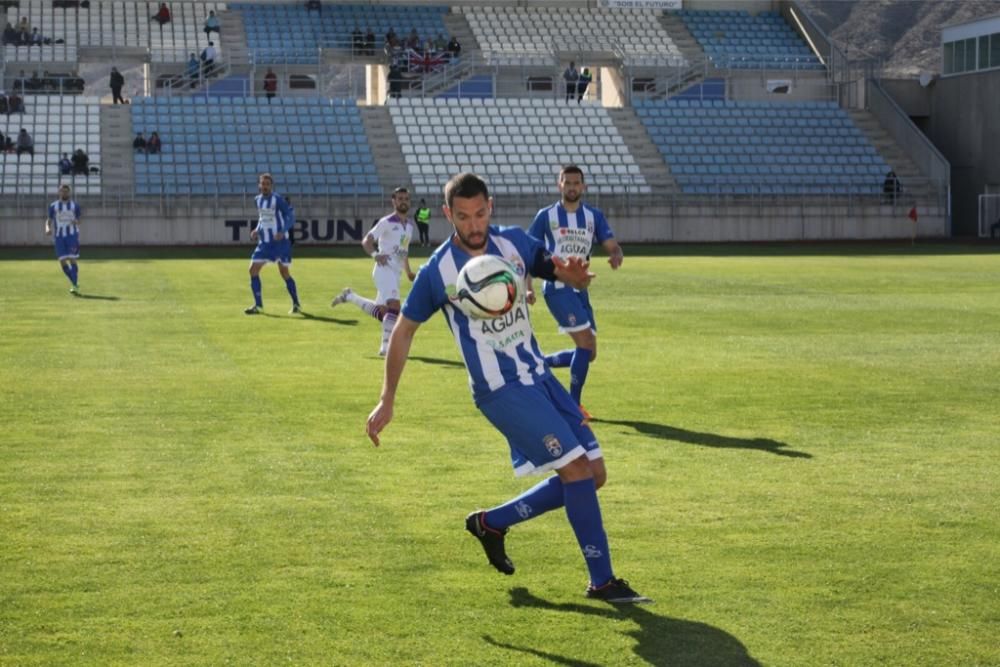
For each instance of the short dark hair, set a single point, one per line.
(400, 189)
(571, 169)
(465, 185)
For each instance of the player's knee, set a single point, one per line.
(600, 477)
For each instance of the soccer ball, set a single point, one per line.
(488, 286)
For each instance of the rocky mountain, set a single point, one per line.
(904, 34)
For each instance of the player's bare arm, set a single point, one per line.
(48, 227)
(409, 272)
(253, 234)
(529, 292)
(368, 243)
(395, 360)
(615, 254)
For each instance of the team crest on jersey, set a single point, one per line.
(517, 264)
(553, 224)
(572, 320)
(552, 444)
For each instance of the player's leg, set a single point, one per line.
(286, 275)
(571, 310)
(255, 286)
(66, 269)
(584, 353)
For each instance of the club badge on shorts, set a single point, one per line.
(552, 444)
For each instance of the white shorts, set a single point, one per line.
(387, 284)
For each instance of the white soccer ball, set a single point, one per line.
(487, 287)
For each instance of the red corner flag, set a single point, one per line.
(912, 215)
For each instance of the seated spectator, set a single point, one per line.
(65, 166)
(212, 25)
(357, 42)
(440, 44)
(15, 104)
(454, 48)
(4, 104)
(80, 160)
(36, 37)
(413, 40)
(162, 16)
(314, 5)
(10, 35)
(154, 145)
(8, 144)
(139, 143)
(192, 70)
(25, 144)
(35, 82)
(370, 42)
(23, 35)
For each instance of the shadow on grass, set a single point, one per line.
(660, 640)
(308, 316)
(98, 297)
(439, 362)
(666, 432)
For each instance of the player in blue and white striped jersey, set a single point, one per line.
(511, 385)
(275, 219)
(63, 224)
(569, 228)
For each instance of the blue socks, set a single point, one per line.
(539, 499)
(255, 288)
(290, 285)
(584, 513)
(68, 270)
(578, 372)
(559, 359)
(75, 271)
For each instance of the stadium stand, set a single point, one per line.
(735, 147)
(735, 39)
(58, 124)
(518, 145)
(111, 24)
(304, 32)
(516, 32)
(218, 146)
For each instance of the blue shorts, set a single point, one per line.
(571, 309)
(543, 426)
(68, 247)
(275, 251)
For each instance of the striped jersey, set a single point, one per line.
(566, 234)
(274, 215)
(65, 215)
(392, 236)
(498, 352)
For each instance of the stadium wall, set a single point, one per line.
(690, 222)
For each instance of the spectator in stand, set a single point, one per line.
(8, 144)
(162, 15)
(193, 67)
(154, 144)
(890, 188)
(270, 84)
(212, 25)
(4, 104)
(81, 163)
(413, 41)
(357, 42)
(35, 82)
(25, 144)
(440, 43)
(370, 42)
(314, 6)
(116, 83)
(15, 104)
(581, 85)
(23, 34)
(208, 56)
(10, 35)
(454, 48)
(65, 166)
(139, 143)
(36, 37)
(571, 76)
(390, 37)
(395, 78)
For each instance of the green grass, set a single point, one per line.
(801, 441)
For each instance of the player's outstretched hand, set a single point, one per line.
(412, 276)
(616, 259)
(378, 420)
(573, 271)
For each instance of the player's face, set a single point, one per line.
(64, 193)
(265, 185)
(401, 202)
(471, 218)
(572, 187)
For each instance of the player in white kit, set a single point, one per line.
(388, 243)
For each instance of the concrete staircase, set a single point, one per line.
(645, 152)
(895, 157)
(234, 38)
(459, 28)
(386, 150)
(117, 159)
(682, 37)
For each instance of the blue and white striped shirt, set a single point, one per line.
(568, 234)
(274, 215)
(498, 352)
(65, 215)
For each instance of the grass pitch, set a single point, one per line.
(801, 444)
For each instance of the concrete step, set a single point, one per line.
(891, 152)
(233, 38)
(646, 155)
(681, 36)
(459, 27)
(117, 159)
(386, 150)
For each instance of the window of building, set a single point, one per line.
(995, 50)
(949, 58)
(984, 52)
(970, 54)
